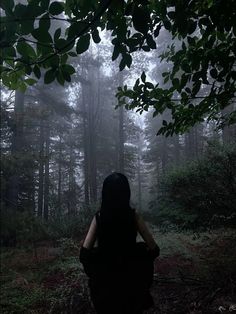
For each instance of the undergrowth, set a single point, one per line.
(197, 265)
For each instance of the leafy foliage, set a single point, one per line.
(205, 55)
(26, 229)
(202, 192)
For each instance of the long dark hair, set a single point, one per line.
(115, 193)
(116, 226)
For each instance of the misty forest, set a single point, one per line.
(141, 87)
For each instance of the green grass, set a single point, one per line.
(54, 282)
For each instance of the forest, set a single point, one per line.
(145, 88)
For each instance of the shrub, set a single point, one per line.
(192, 195)
(23, 227)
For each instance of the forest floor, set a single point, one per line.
(195, 273)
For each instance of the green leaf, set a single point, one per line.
(33, 10)
(151, 42)
(28, 69)
(192, 26)
(171, 15)
(175, 83)
(20, 11)
(95, 36)
(64, 58)
(54, 61)
(196, 87)
(213, 73)
(116, 52)
(146, 48)
(233, 75)
(64, 45)
(41, 35)
(37, 71)
(57, 34)
(167, 24)
(76, 29)
(66, 75)
(30, 81)
(60, 78)
(56, 8)
(127, 59)
(49, 76)
(83, 43)
(68, 68)
(166, 79)
(44, 23)
(11, 30)
(22, 86)
(25, 49)
(7, 5)
(157, 30)
(45, 4)
(149, 85)
(141, 19)
(143, 77)
(27, 26)
(8, 52)
(122, 64)
(186, 68)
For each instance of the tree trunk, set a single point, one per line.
(46, 181)
(16, 153)
(164, 154)
(41, 168)
(92, 141)
(121, 162)
(189, 145)
(85, 145)
(71, 194)
(139, 176)
(176, 149)
(59, 174)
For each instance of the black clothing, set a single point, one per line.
(117, 232)
(119, 277)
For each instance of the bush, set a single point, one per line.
(202, 190)
(23, 227)
(66, 226)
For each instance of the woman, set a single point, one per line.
(120, 270)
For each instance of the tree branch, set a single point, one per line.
(97, 16)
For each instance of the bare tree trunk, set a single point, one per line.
(85, 145)
(41, 168)
(176, 149)
(139, 176)
(121, 162)
(59, 174)
(164, 154)
(46, 182)
(13, 189)
(71, 195)
(189, 145)
(92, 142)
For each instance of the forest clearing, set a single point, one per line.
(195, 274)
(141, 90)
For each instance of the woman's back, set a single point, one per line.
(120, 270)
(116, 234)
